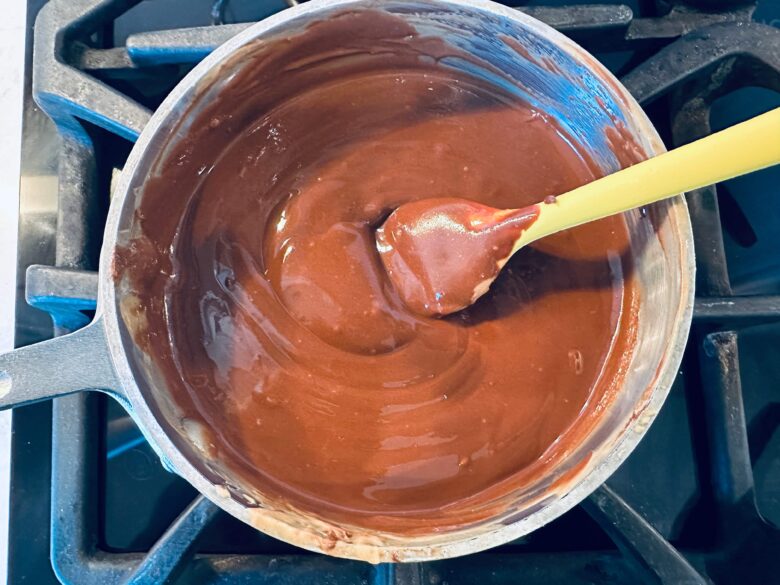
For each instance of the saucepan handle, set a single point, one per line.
(63, 365)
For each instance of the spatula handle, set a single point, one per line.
(738, 150)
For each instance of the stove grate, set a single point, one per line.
(687, 57)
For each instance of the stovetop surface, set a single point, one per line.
(670, 480)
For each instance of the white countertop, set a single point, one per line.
(12, 36)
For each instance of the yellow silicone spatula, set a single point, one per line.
(443, 254)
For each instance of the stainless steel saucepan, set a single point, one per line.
(574, 89)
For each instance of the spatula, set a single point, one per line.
(442, 254)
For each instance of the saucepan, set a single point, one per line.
(555, 76)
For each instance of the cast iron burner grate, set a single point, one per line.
(690, 483)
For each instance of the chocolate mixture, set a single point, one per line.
(443, 254)
(271, 317)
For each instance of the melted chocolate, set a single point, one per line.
(268, 312)
(443, 254)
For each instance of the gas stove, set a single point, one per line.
(697, 502)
